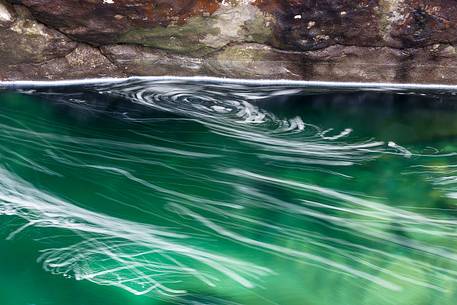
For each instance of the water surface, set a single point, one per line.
(172, 192)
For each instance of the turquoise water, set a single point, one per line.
(191, 193)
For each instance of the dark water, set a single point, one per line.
(191, 193)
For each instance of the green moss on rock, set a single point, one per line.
(202, 35)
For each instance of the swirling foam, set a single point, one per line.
(141, 258)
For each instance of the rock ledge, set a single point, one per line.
(335, 40)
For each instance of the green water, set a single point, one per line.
(125, 202)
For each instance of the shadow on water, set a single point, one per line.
(161, 192)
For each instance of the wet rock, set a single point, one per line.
(309, 25)
(83, 62)
(256, 61)
(432, 64)
(341, 63)
(343, 40)
(422, 23)
(239, 23)
(138, 60)
(183, 26)
(24, 40)
(86, 58)
(246, 60)
(201, 35)
(103, 21)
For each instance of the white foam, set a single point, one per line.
(260, 82)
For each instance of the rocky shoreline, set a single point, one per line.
(332, 40)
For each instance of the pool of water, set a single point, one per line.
(174, 192)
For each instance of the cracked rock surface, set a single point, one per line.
(340, 40)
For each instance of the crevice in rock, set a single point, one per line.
(104, 54)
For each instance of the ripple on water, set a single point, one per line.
(204, 191)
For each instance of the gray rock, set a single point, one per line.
(340, 40)
(24, 40)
